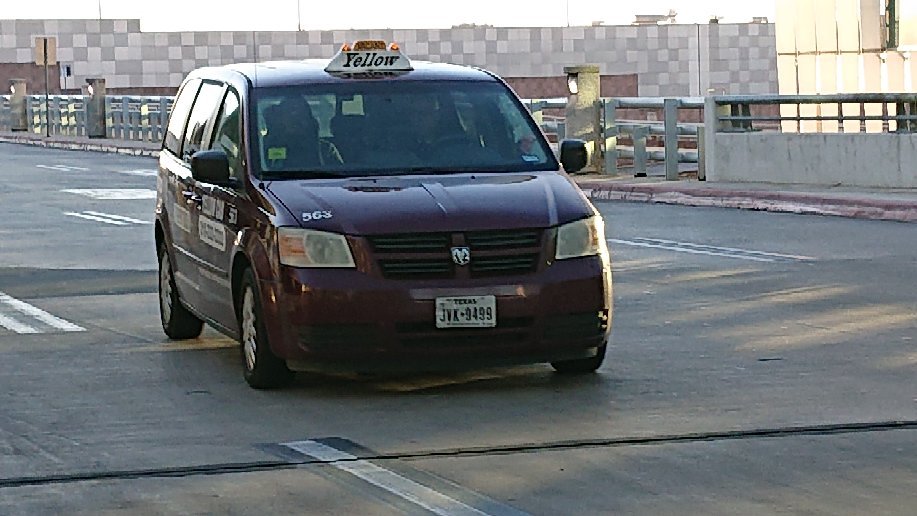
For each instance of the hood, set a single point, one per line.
(458, 202)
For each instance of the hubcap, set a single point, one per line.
(249, 332)
(165, 288)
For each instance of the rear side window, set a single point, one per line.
(201, 118)
(179, 116)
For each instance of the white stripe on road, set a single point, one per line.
(405, 488)
(730, 249)
(15, 326)
(140, 172)
(117, 217)
(95, 218)
(39, 314)
(708, 250)
(114, 194)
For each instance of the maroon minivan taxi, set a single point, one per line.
(370, 213)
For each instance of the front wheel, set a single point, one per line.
(581, 365)
(177, 322)
(262, 369)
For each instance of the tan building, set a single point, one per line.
(845, 46)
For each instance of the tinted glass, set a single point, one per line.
(394, 128)
(227, 135)
(208, 100)
(179, 116)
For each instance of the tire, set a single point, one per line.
(261, 368)
(581, 365)
(177, 322)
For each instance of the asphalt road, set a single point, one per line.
(761, 364)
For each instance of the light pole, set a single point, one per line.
(568, 13)
(100, 10)
(299, 15)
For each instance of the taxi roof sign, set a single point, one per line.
(369, 56)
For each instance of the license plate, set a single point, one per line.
(466, 312)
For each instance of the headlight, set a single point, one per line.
(584, 237)
(310, 248)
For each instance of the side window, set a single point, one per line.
(201, 118)
(228, 134)
(179, 116)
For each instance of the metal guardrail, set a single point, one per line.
(839, 113)
(128, 117)
(137, 118)
(554, 126)
(639, 131)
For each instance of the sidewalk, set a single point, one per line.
(131, 148)
(899, 204)
(864, 203)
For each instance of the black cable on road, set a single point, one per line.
(275, 465)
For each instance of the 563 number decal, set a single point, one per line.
(309, 216)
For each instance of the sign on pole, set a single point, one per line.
(45, 51)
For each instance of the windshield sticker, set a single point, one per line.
(212, 207)
(183, 219)
(316, 215)
(277, 153)
(530, 158)
(212, 233)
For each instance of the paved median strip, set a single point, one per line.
(10, 321)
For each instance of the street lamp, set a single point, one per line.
(573, 83)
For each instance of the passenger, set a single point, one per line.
(292, 142)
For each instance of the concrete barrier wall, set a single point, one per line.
(868, 160)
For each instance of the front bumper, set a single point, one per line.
(346, 319)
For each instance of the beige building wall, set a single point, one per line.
(838, 46)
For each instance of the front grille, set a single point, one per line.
(427, 255)
(407, 268)
(503, 239)
(411, 243)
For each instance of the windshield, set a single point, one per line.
(395, 128)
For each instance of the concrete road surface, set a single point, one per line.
(760, 364)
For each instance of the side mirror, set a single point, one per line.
(573, 155)
(211, 166)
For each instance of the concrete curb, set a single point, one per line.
(101, 146)
(759, 200)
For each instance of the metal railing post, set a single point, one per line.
(701, 154)
(611, 136)
(671, 139)
(640, 157)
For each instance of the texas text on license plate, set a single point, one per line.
(466, 312)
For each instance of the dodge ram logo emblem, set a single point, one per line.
(461, 255)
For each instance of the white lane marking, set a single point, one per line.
(95, 218)
(114, 194)
(63, 168)
(117, 217)
(732, 249)
(39, 314)
(139, 172)
(15, 326)
(708, 250)
(421, 495)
